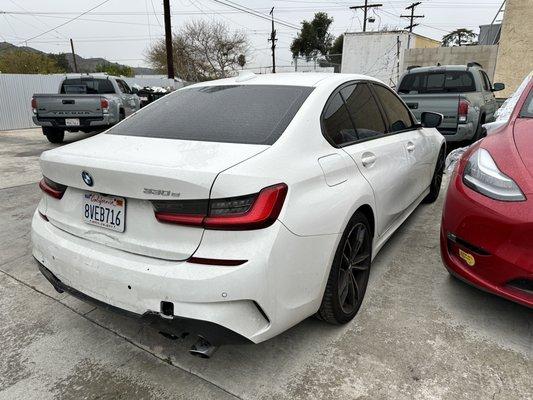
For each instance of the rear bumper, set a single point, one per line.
(214, 333)
(463, 132)
(497, 236)
(85, 122)
(281, 284)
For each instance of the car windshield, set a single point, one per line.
(527, 108)
(437, 82)
(251, 114)
(87, 86)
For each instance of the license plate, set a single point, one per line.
(72, 121)
(105, 211)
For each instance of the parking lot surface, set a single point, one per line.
(419, 334)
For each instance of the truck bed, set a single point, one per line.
(444, 103)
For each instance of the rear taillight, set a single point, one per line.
(462, 110)
(254, 211)
(34, 105)
(104, 105)
(52, 188)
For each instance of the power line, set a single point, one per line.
(65, 23)
(255, 13)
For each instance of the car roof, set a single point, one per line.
(310, 79)
(435, 68)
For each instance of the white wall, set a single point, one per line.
(374, 54)
(16, 91)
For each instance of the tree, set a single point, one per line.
(61, 61)
(314, 38)
(335, 53)
(459, 37)
(115, 69)
(241, 60)
(202, 51)
(27, 62)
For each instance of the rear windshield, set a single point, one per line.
(87, 86)
(438, 82)
(252, 114)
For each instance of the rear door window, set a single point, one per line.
(124, 88)
(338, 127)
(438, 82)
(397, 113)
(252, 114)
(364, 111)
(87, 85)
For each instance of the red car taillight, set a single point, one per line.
(462, 110)
(34, 105)
(254, 211)
(52, 188)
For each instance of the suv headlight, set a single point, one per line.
(482, 175)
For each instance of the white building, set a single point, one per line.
(379, 54)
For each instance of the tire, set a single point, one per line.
(480, 131)
(54, 135)
(436, 181)
(348, 277)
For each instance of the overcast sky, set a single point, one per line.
(121, 30)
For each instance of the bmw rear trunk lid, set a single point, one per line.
(133, 171)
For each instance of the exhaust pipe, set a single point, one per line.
(202, 348)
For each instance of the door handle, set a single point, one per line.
(368, 159)
(410, 147)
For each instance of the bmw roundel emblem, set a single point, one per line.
(87, 178)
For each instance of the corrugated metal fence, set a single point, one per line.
(16, 91)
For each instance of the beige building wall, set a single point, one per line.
(457, 55)
(422, 42)
(515, 53)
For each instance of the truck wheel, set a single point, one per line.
(54, 135)
(480, 131)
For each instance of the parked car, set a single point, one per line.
(486, 234)
(463, 94)
(84, 103)
(246, 204)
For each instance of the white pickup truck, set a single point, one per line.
(84, 103)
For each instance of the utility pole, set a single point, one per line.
(168, 39)
(273, 41)
(365, 10)
(397, 60)
(73, 56)
(411, 20)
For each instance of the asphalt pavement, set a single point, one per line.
(420, 334)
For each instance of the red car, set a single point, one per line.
(486, 236)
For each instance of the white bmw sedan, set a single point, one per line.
(242, 205)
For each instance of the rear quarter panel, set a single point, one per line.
(312, 207)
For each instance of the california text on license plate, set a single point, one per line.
(72, 121)
(105, 211)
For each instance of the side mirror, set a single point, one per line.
(497, 87)
(430, 119)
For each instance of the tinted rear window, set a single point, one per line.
(87, 85)
(252, 114)
(438, 82)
